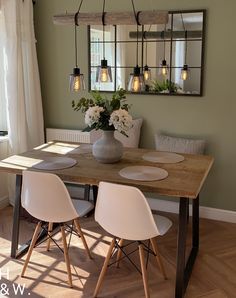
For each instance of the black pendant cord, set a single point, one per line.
(164, 37)
(76, 48)
(186, 40)
(77, 24)
(136, 16)
(146, 42)
(103, 28)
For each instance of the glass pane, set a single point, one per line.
(193, 56)
(189, 86)
(96, 33)
(96, 52)
(126, 54)
(190, 22)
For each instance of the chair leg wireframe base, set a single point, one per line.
(141, 247)
(65, 250)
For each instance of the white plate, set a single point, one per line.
(143, 173)
(163, 157)
(55, 163)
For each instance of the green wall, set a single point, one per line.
(211, 117)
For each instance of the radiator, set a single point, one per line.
(70, 135)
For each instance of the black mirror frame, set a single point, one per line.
(203, 11)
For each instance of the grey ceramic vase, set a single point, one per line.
(107, 149)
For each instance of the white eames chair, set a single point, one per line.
(123, 211)
(46, 198)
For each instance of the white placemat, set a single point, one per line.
(163, 157)
(55, 163)
(143, 173)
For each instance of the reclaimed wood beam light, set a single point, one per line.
(113, 18)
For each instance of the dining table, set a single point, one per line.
(184, 182)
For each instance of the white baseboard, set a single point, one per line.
(4, 202)
(205, 212)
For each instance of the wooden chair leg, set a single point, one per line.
(50, 227)
(144, 271)
(32, 245)
(119, 253)
(104, 268)
(77, 225)
(158, 257)
(66, 256)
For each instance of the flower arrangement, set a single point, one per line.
(105, 114)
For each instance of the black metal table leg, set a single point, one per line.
(181, 245)
(184, 269)
(87, 192)
(16, 217)
(95, 193)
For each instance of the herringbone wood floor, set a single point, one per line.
(214, 274)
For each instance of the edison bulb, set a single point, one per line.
(147, 75)
(76, 83)
(104, 75)
(184, 74)
(164, 70)
(135, 84)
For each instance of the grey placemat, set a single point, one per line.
(143, 173)
(163, 157)
(55, 163)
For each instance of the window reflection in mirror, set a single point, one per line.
(179, 42)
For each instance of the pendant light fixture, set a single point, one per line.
(136, 80)
(77, 78)
(164, 66)
(104, 74)
(185, 72)
(147, 70)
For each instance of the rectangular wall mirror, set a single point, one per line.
(179, 43)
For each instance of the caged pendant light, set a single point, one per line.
(164, 66)
(185, 72)
(103, 74)
(136, 80)
(76, 78)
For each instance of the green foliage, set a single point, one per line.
(165, 85)
(117, 101)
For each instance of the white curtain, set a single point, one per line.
(21, 84)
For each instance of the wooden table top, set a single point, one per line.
(185, 179)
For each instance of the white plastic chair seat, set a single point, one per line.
(163, 223)
(82, 207)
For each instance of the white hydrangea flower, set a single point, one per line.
(121, 120)
(92, 115)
